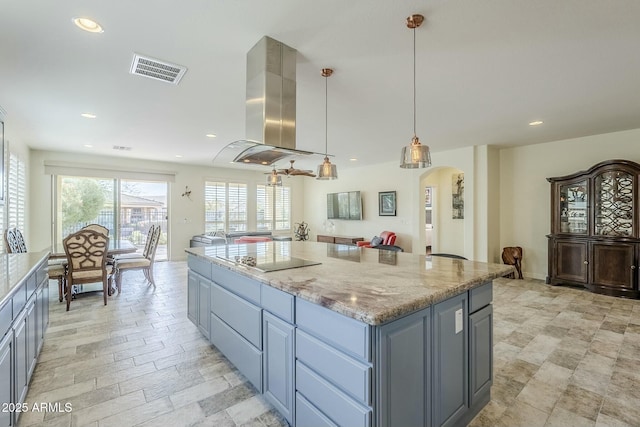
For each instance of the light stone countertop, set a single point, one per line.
(370, 285)
(14, 269)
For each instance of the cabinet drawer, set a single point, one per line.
(278, 302)
(244, 317)
(199, 266)
(32, 284)
(340, 331)
(339, 407)
(237, 283)
(480, 297)
(325, 239)
(351, 376)
(42, 272)
(19, 299)
(308, 415)
(6, 316)
(239, 351)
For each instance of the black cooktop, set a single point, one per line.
(284, 263)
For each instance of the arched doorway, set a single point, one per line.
(442, 216)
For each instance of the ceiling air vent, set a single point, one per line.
(157, 69)
(121, 148)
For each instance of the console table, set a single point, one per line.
(340, 240)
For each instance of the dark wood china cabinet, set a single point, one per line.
(595, 233)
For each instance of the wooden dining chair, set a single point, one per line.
(15, 244)
(97, 227)
(86, 252)
(144, 262)
(14, 241)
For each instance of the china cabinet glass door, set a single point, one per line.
(573, 208)
(614, 204)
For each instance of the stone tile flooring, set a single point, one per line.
(563, 357)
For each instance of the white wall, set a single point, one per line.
(369, 181)
(525, 193)
(186, 217)
(410, 219)
(516, 215)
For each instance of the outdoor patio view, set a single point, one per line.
(127, 208)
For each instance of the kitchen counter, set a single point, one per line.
(369, 285)
(14, 268)
(337, 335)
(24, 317)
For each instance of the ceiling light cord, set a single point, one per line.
(326, 114)
(414, 83)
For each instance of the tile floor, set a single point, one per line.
(563, 357)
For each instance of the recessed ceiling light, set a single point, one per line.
(88, 115)
(88, 145)
(87, 24)
(353, 159)
(535, 123)
(211, 135)
(179, 156)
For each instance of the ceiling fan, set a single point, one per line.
(291, 171)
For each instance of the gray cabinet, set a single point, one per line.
(204, 295)
(24, 317)
(198, 297)
(318, 367)
(33, 336)
(21, 366)
(404, 371)
(6, 376)
(480, 354)
(236, 329)
(192, 297)
(333, 368)
(278, 364)
(450, 361)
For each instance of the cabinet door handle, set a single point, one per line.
(585, 262)
(633, 267)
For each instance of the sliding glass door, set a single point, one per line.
(143, 204)
(126, 207)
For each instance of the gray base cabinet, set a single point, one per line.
(404, 397)
(450, 361)
(198, 296)
(278, 369)
(6, 376)
(480, 354)
(24, 317)
(317, 367)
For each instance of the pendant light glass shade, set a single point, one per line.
(326, 170)
(415, 155)
(274, 180)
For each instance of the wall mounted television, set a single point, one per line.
(345, 205)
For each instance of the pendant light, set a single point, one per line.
(273, 179)
(326, 170)
(415, 155)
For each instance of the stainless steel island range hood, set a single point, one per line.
(270, 107)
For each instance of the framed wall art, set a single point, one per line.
(457, 183)
(387, 203)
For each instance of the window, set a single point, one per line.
(225, 206)
(126, 207)
(273, 208)
(16, 191)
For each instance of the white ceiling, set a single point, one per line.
(485, 70)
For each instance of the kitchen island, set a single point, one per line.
(336, 335)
